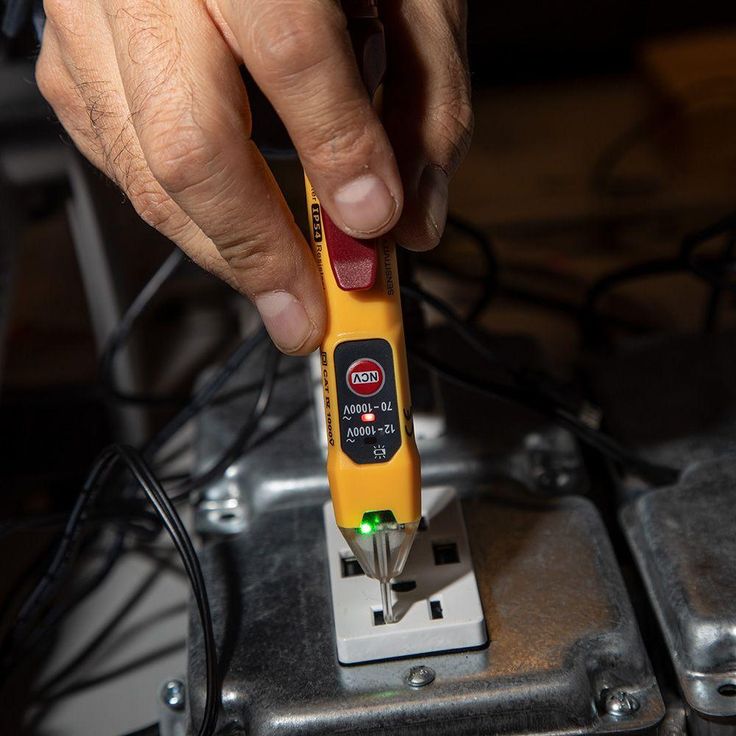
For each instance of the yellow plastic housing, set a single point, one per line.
(363, 315)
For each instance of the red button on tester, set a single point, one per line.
(354, 262)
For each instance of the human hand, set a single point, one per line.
(151, 93)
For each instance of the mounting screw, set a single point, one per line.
(172, 693)
(621, 704)
(419, 676)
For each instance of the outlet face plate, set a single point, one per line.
(436, 596)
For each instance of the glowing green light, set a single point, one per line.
(365, 528)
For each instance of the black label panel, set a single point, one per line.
(370, 428)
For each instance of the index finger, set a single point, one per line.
(299, 53)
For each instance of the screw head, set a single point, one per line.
(419, 676)
(620, 704)
(172, 693)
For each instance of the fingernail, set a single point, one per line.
(365, 204)
(433, 196)
(285, 319)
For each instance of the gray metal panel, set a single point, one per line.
(684, 541)
(563, 634)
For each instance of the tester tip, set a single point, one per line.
(387, 603)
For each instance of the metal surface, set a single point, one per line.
(563, 633)
(684, 541)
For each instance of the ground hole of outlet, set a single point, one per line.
(728, 689)
(435, 610)
(228, 517)
(445, 553)
(404, 586)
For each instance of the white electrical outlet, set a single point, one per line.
(436, 597)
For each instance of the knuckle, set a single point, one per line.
(54, 85)
(342, 141)
(253, 259)
(103, 104)
(179, 160)
(49, 82)
(152, 204)
(286, 43)
(61, 13)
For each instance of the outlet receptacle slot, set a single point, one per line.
(350, 567)
(404, 586)
(445, 553)
(435, 609)
(378, 619)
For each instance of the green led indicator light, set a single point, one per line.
(374, 521)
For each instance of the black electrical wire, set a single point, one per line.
(466, 332)
(657, 475)
(174, 526)
(236, 447)
(87, 651)
(711, 270)
(33, 572)
(166, 511)
(513, 292)
(532, 385)
(40, 521)
(206, 394)
(57, 614)
(117, 618)
(48, 585)
(136, 663)
(202, 399)
(248, 388)
(716, 271)
(162, 558)
(121, 334)
(490, 280)
(281, 426)
(710, 317)
(524, 392)
(643, 270)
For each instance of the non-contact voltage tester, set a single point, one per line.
(372, 460)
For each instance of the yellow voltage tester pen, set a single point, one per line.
(372, 459)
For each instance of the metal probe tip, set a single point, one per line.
(386, 603)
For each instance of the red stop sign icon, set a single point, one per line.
(365, 377)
